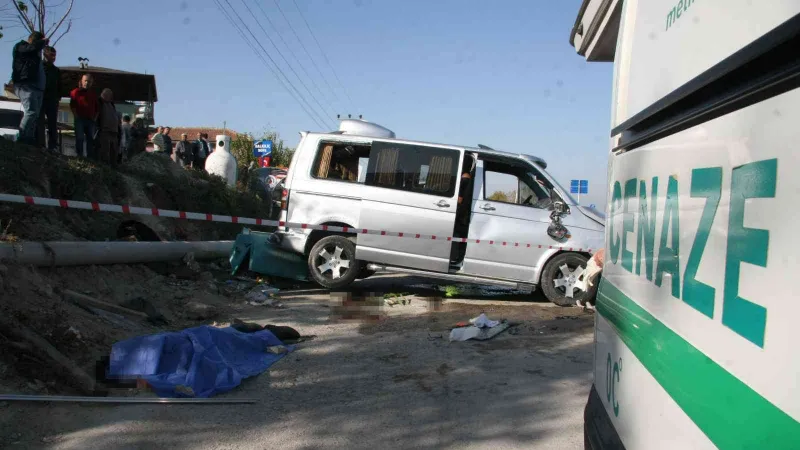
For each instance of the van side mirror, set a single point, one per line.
(560, 207)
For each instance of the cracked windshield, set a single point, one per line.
(450, 224)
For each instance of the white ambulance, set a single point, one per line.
(694, 347)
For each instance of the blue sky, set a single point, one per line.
(450, 71)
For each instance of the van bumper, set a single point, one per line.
(598, 431)
(290, 240)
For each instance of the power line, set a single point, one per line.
(297, 36)
(261, 57)
(300, 63)
(302, 83)
(323, 54)
(275, 65)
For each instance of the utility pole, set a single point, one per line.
(224, 126)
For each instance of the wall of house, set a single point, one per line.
(65, 115)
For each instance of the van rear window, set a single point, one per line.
(341, 161)
(413, 168)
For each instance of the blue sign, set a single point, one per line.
(262, 148)
(579, 186)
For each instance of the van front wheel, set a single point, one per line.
(332, 262)
(563, 280)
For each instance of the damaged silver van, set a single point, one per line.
(363, 177)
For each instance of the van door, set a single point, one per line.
(509, 208)
(411, 189)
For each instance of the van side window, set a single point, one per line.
(413, 168)
(341, 161)
(518, 187)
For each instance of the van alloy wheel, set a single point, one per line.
(563, 280)
(570, 279)
(332, 262)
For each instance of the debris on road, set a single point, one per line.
(482, 328)
(262, 295)
(254, 250)
(483, 322)
(199, 362)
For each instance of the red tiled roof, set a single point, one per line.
(175, 132)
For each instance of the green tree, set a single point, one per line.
(281, 154)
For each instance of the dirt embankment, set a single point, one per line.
(37, 320)
(167, 296)
(148, 181)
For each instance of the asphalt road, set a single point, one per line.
(397, 383)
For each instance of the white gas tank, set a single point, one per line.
(221, 162)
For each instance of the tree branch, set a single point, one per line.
(53, 31)
(23, 16)
(42, 15)
(69, 27)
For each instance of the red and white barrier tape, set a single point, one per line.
(126, 209)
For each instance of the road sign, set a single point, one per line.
(262, 148)
(579, 186)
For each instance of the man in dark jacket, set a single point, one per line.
(168, 142)
(201, 152)
(184, 151)
(52, 97)
(29, 82)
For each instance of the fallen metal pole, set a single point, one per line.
(68, 253)
(66, 398)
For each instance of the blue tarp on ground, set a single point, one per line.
(203, 361)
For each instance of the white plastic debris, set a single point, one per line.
(483, 322)
(464, 333)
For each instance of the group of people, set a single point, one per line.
(99, 132)
(189, 154)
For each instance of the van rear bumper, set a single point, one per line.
(598, 431)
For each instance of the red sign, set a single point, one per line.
(264, 161)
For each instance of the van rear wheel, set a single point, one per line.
(332, 262)
(563, 280)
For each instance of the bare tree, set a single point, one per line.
(33, 16)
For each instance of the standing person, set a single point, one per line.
(126, 137)
(201, 149)
(48, 116)
(138, 138)
(158, 140)
(184, 151)
(168, 142)
(29, 80)
(108, 127)
(85, 106)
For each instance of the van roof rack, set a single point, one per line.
(485, 147)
